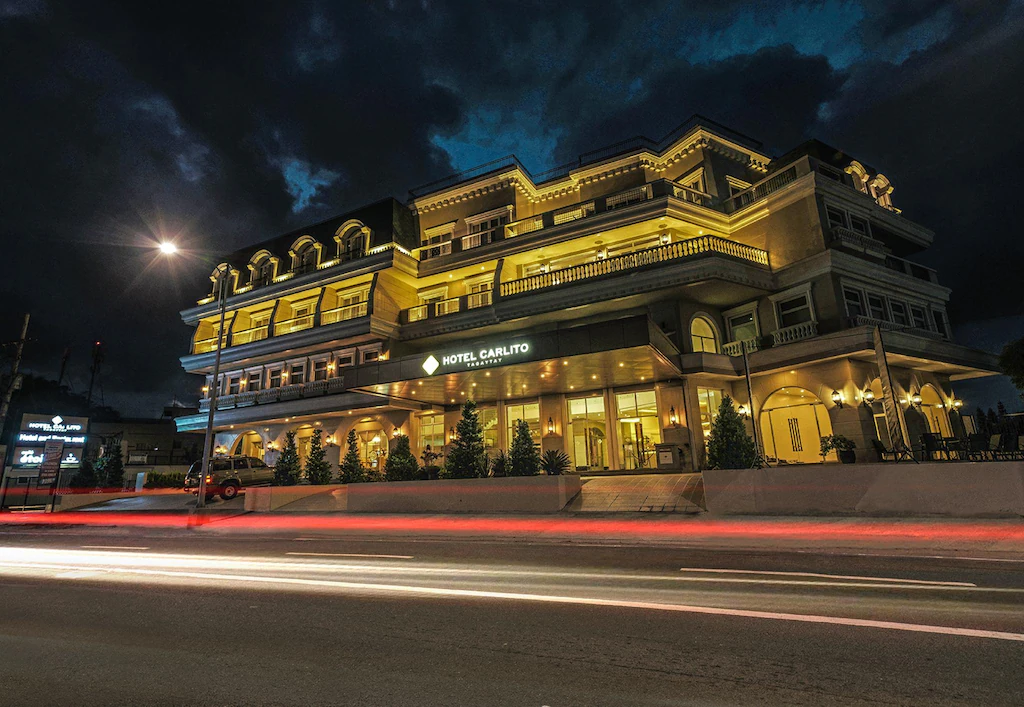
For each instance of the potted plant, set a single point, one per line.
(844, 447)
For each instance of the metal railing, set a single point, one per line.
(288, 326)
(247, 336)
(446, 306)
(628, 197)
(797, 332)
(207, 345)
(692, 195)
(524, 226)
(575, 212)
(630, 261)
(341, 314)
(475, 240)
(478, 299)
(436, 250)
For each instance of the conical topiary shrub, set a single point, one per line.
(729, 446)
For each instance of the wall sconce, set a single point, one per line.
(957, 404)
(665, 238)
(869, 396)
(451, 435)
(331, 442)
(837, 398)
(551, 426)
(206, 389)
(742, 410)
(397, 432)
(915, 400)
(673, 418)
(220, 449)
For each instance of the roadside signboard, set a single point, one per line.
(53, 453)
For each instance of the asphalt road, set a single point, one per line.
(95, 617)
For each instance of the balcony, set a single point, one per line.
(631, 261)
(885, 325)
(247, 336)
(847, 238)
(290, 326)
(443, 308)
(343, 314)
(208, 345)
(797, 332)
(294, 391)
(919, 272)
(760, 190)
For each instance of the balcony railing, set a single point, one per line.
(443, 308)
(628, 197)
(342, 314)
(524, 226)
(207, 345)
(630, 261)
(797, 332)
(289, 326)
(760, 190)
(272, 395)
(848, 238)
(573, 213)
(885, 325)
(436, 250)
(735, 348)
(247, 336)
(692, 195)
(475, 240)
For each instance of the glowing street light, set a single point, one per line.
(168, 248)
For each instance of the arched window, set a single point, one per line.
(265, 272)
(305, 254)
(352, 244)
(702, 334)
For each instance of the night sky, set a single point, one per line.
(221, 124)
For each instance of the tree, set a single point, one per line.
(467, 458)
(1001, 411)
(286, 472)
(401, 464)
(318, 469)
(84, 477)
(980, 421)
(729, 446)
(1011, 360)
(523, 458)
(109, 468)
(352, 466)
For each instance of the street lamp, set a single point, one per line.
(221, 275)
(168, 248)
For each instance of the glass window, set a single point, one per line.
(859, 225)
(253, 381)
(742, 327)
(708, 400)
(489, 424)
(297, 373)
(940, 322)
(432, 432)
(233, 385)
(525, 411)
(920, 317)
(588, 433)
(320, 370)
(899, 313)
(854, 303)
(346, 358)
(836, 218)
(702, 334)
(876, 307)
(639, 429)
(796, 310)
(371, 355)
(274, 378)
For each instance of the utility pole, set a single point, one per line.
(97, 359)
(750, 398)
(63, 365)
(12, 385)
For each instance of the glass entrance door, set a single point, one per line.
(588, 433)
(638, 428)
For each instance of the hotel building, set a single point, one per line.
(607, 302)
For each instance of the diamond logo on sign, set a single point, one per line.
(57, 420)
(430, 365)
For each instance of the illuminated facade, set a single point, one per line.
(607, 303)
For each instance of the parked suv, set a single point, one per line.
(228, 475)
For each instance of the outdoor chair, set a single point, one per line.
(931, 447)
(977, 447)
(897, 455)
(995, 447)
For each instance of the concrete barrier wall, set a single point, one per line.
(72, 501)
(520, 494)
(272, 498)
(954, 489)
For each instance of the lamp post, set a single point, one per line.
(222, 273)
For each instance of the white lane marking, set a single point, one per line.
(586, 601)
(348, 554)
(830, 576)
(113, 547)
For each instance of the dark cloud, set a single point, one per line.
(225, 123)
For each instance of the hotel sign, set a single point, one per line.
(487, 355)
(50, 438)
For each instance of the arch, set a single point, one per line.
(934, 410)
(224, 270)
(793, 420)
(305, 252)
(249, 444)
(263, 267)
(704, 335)
(353, 239)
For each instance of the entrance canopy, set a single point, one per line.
(605, 354)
